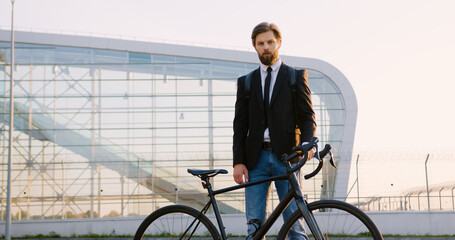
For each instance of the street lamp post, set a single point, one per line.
(426, 176)
(357, 175)
(11, 131)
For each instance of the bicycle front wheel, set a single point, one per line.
(335, 219)
(177, 222)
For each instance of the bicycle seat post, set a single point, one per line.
(207, 185)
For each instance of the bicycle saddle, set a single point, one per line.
(199, 172)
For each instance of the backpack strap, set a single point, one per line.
(248, 84)
(292, 82)
(292, 79)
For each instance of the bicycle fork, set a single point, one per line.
(309, 219)
(302, 204)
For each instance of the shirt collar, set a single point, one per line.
(274, 66)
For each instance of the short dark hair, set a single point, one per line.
(265, 27)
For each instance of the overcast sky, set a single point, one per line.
(398, 55)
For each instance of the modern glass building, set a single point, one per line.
(108, 127)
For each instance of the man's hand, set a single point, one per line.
(310, 153)
(240, 171)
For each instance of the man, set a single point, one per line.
(265, 127)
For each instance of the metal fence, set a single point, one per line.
(403, 181)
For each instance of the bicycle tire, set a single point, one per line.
(336, 219)
(171, 222)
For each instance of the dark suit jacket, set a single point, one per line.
(249, 124)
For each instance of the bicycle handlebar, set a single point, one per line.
(322, 154)
(303, 150)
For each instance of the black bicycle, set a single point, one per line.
(323, 219)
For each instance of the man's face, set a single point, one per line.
(267, 47)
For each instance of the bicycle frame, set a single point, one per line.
(294, 193)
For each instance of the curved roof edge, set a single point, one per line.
(128, 45)
(323, 67)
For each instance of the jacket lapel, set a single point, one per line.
(257, 88)
(280, 80)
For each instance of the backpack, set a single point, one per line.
(292, 82)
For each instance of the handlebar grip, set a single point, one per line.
(306, 147)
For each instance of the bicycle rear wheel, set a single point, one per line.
(176, 222)
(337, 220)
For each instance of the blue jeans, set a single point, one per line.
(256, 197)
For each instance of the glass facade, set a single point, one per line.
(107, 133)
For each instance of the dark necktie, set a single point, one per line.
(267, 93)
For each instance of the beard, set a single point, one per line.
(268, 60)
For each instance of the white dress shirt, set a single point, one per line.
(275, 68)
